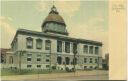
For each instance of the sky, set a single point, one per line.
(84, 19)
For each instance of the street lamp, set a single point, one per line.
(75, 52)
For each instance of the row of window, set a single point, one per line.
(86, 49)
(38, 59)
(67, 60)
(29, 43)
(89, 49)
(38, 66)
(90, 60)
(90, 67)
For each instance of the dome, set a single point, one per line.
(53, 17)
(54, 23)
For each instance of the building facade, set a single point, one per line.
(52, 47)
(6, 58)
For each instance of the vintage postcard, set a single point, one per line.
(63, 40)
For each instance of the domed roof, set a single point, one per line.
(53, 17)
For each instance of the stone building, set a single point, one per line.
(52, 47)
(6, 58)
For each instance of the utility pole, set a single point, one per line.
(20, 54)
(20, 61)
(50, 57)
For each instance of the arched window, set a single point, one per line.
(47, 44)
(59, 60)
(11, 60)
(67, 60)
(38, 43)
(29, 42)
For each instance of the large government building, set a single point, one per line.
(53, 48)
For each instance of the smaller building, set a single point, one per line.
(105, 62)
(6, 58)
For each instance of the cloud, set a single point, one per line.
(64, 7)
(7, 31)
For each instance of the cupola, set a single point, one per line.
(54, 23)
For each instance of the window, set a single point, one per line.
(29, 42)
(91, 49)
(95, 60)
(59, 60)
(59, 46)
(67, 47)
(96, 50)
(85, 49)
(29, 55)
(85, 67)
(38, 66)
(47, 60)
(47, 66)
(74, 48)
(29, 66)
(85, 60)
(38, 59)
(28, 59)
(47, 55)
(10, 59)
(91, 67)
(67, 60)
(47, 45)
(38, 55)
(90, 60)
(38, 43)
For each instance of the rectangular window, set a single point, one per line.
(90, 49)
(67, 47)
(29, 66)
(90, 60)
(47, 60)
(47, 55)
(28, 59)
(96, 50)
(38, 59)
(47, 45)
(38, 55)
(74, 48)
(29, 55)
(38, 66)
(95, 60)
(85, 49)
(47, 66)
(38, 43)
(29, 42)
(85, 60)
(59, 46)
(10, 59)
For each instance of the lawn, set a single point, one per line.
(7, 72)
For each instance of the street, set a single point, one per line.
(79, 75)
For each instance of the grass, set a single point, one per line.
(7, 72)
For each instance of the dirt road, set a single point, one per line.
(79, 75)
